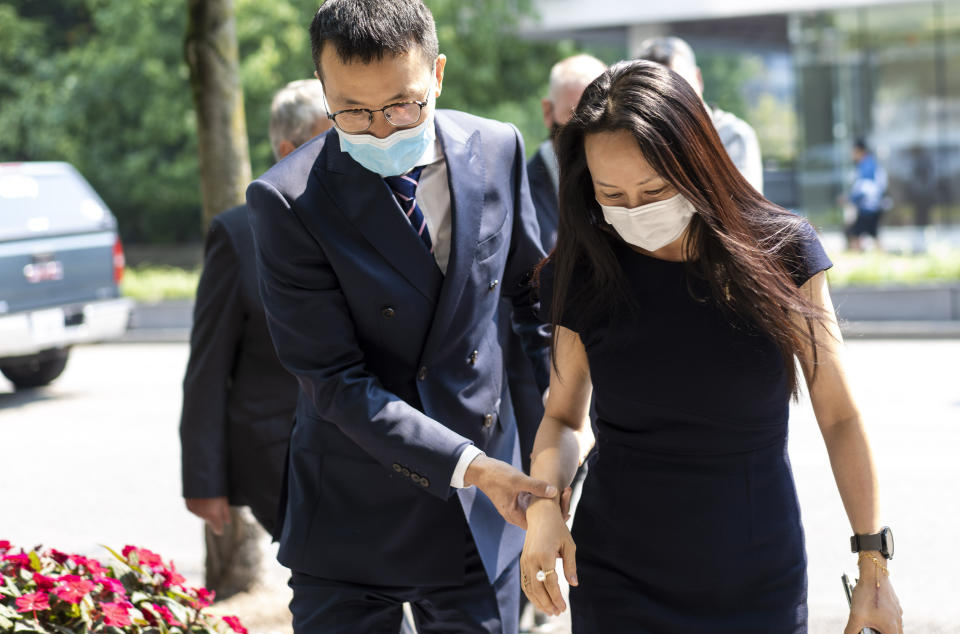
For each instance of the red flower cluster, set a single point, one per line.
(235, 624)
(68, 592)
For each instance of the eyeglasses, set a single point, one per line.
(400, 114)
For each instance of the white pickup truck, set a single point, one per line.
(61, 263)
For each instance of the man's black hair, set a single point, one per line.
(861, 144)
(366, 30)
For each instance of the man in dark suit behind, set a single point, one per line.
(238, 401)
(383, 249)
(568, 79)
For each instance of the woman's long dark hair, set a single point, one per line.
(741, 245)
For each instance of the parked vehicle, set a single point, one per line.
(61, 263)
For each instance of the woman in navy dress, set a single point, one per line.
(681, 298)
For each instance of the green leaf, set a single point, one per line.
(138, 597)
(12, 587)
(179, 610)
(35, 561)
(115, 554)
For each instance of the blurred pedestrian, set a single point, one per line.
(238, 401)
(738, 137)
(868, 194)
(922, 190)
(686, 300)
(383, 250)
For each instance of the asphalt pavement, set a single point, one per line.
(94, 459)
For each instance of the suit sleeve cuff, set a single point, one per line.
(469, 453)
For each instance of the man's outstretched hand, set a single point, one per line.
(507, 487)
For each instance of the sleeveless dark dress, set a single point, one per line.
(689, 520)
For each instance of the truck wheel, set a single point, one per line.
(38, 371)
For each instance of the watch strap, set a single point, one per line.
(859, 543)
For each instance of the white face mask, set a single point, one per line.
(651, 226)
(392, 155)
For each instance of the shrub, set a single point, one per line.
(51, 591)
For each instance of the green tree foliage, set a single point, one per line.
(102, 84)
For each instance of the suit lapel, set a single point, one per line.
(366, 201)
(465, 176)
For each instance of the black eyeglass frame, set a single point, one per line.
(426, 100)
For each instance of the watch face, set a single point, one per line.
(886, 542)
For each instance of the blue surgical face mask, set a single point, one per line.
(392, 155)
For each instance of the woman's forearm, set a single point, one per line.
(855, 474)
(558, 450)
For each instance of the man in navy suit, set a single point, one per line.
(383, 250)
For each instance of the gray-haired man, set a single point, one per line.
(238, 401)
(737, 136)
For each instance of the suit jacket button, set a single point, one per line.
(415, 477)
(388, 312)
(397, 468)
(424, 483)
(488, 421)
(493, 284)
(405, 471)
(422, 374)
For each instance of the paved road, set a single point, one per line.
(95, 459)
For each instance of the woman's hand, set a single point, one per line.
(873, 606)
(547, 539)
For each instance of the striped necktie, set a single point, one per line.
(404, 188)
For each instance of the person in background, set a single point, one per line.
(867, 195)
(568, 78)
(238, 401)
(738, 137)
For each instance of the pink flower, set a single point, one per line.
(43, 583)
(144, 556)
(171, 577)
(59, 557)
(72, 588)
(235, 624)
(110, 585)
(167, 615)
(149, 558)
(205, 597)
(5, 545)
(92, 565)
(116, 613)
(33, 602)
(20, 559)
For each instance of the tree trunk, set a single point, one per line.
(212, 55)
(234, 560)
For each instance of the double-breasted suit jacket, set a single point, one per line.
(399, 365)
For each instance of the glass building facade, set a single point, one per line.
(889, 75)
(811, 82)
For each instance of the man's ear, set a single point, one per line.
(285, 147)
(440, 66)
(547, 107)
